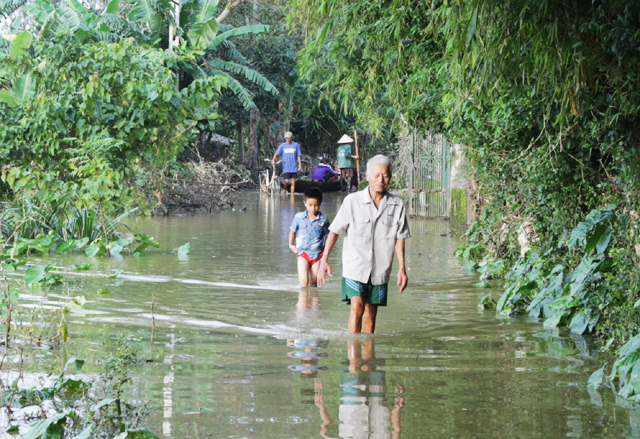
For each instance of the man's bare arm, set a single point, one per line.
(402, 273)
(324, 262)
(273, 160)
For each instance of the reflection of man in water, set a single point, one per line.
(363, 390)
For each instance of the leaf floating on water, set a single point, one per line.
(35, 274)
(104, 291)
(117, 273)
(82, 267)
(184, 249)
(596, 377)
(146, 239)
(77, 363)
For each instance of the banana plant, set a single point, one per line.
(23, 87)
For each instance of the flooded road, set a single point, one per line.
(239, 352)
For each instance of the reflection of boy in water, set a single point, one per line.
(308, 304)
(309, 356)
(362, 393)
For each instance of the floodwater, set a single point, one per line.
(239, 352)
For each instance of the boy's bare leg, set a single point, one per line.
(293, 185)
(369, 318)
(355, 318)
(313, 274)
(303, 271)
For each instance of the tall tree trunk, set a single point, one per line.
(240, 143)
(254, 120)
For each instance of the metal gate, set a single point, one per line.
(430, 179)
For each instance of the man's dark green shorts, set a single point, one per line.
(373, 294)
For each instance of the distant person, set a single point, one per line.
(308, 233)
(345, 155)
(291, 162)
(323, 172)
(374, 224)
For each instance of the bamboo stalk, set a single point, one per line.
(355, 138)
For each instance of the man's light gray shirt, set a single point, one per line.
(370, 235)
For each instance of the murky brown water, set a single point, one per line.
(239, 352)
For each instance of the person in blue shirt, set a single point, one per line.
(308, 233)
(291, 162)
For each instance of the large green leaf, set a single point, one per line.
(39, 429)
(207, 10)
(77, 6)
(69, 18)
(202, 33)
(146, 239)
(76, 363)
(596, 377)
(10, 98)
(35, 274)
(25, 87)
(144, 12)
(244, 30)
(20, 44)
(183, 250)
(113, 7)
(631, 346)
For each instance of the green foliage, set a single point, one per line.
(88, 135)
(575, 298)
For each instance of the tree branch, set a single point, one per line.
(232, 4)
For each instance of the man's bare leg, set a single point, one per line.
(284, 188)
(293, 185)
(369, 318)
(355, 318)
(303, 271)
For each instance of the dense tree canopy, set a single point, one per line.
(545, 98)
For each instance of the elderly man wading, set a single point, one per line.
(374, 225)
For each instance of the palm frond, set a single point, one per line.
(8, 7)
(237, 32)
(236, 88)
(49, 27)
(68, 18)
(229, 51)
(108, 37)
(249, 74)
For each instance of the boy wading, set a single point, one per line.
(374, 225)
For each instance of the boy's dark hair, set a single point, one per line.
(313, 192)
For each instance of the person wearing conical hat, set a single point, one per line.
(347, 173)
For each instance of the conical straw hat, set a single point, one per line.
(345, 139)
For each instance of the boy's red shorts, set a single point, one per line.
(309, 260)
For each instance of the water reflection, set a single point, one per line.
(363, 391)
(309, 351)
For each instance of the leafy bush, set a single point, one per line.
(82, 118)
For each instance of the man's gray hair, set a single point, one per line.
(379, 160)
